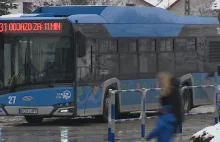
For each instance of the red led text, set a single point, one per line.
(30, 27)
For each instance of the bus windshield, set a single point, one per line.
(35, 60)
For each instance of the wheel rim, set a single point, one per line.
(107, 99)
(186, 100)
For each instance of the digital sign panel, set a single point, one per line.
(31, 27)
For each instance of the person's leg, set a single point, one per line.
(176, 130)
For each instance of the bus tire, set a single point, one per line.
(187, 100)
(104, 116)
(33, 119)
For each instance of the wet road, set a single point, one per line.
(15, 129)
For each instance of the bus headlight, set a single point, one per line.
(66, 110)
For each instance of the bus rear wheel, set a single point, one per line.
(187, 101)
(33, 119)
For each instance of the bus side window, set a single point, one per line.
(166, 45)
(147, 58)
(127, 46)
(107, 61)
(128, 59)
(166, 55)
(107, 46)
(84, 63)
(202, 53)
(186, 56)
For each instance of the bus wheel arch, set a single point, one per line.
(187, 97)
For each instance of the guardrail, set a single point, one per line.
(215, 104)
(111, 109)
(111, 113)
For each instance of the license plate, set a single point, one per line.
(28, 110)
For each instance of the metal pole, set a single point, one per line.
(109, 115)
(181, 124)
(113, 117)
(216, 105)
(143, 115)
(187, 7)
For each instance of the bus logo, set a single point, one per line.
(27, 98)
(65, 95)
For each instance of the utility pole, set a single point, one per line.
(187, 7)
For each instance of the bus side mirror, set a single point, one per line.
(218, 70)
(81, 44)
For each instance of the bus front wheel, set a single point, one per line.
(104, 116)
(33, 119)
(105, 107)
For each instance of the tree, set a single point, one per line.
(30, 6)
(204, 9)
(27, 7)
(5, 6)
(94, 2)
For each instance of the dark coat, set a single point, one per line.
(174, 99)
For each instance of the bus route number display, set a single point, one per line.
(30, 27)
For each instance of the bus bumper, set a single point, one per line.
(37, 110)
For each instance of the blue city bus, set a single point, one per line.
(61, 61)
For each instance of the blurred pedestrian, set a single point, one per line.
(170, 114)
(165, 126)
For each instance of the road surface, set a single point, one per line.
(15, 129)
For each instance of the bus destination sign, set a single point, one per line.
(30, 27)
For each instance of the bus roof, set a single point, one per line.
(141, 21)
(123, 14)
(112, 15)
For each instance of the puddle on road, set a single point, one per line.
(59, 134)
(81, 131)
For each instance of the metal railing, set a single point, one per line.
(111, 113)
(215, 104)
(111, 109)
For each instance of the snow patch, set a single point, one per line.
(215, 139)
(12, 15)
(203, 109)
(211, 132)
(216, 5)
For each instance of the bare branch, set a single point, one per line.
(37, 3)
(204, 9)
